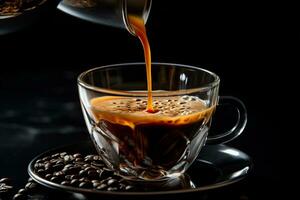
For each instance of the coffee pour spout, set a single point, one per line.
(17, 14)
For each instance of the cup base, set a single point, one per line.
(166, 182)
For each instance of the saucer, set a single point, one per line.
(216, 166)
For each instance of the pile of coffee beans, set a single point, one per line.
(76, 170)
(6, 189)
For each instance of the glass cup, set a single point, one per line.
(153, 146)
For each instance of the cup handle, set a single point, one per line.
(239, 126)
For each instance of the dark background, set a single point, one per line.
(39, 66)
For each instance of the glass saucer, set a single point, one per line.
(216, 166)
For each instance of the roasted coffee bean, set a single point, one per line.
(39, 161)
(88, 157)
(112, 182)
(77, 155)
(57, 167)
(112, 189)
(48, 176)
(78, 159)
(60, 161)
(41, 172)
(68, 158)
(74, 177)
(5, 180)
(63, 154)
(59, 174)
(86, 165)
(129, 187)
(96, 184)
(55, 155)
(92, 174)
(68, 166)
(31, 186)
(122, 186)
(95, 158)
(46, 158)
(30, 179)
(83, 179)
(4, 188)
(54, 161)
(82, 173)
(65, 183)
(87, 168)
(102, 186)
(19, 197)
(22, 191)
(85, 185)
(74, 182)
(48, 165)
(68, 177)
(55, 179)
(38, 165)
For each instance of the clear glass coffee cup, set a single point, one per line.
(155, 146)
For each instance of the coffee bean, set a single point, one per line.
(48, 165)
(39, 161)
(83, 179)
(78, 159)
(92, 174)
(122, 186)
(57, 167)
(112, 182)
(19, 197)
(85, 185)
(60, 161)
(111, 189)
(30, 180)
(5, 180)
(31, 186)
(46, 158)
(88, 157)
(55, 179)
(41, 172)
(74, 177)
(4, 188)
(59, 174)
(96, 184)
(129, 187)
(65, 183)
(86, 165)
(63, 154)
(77, 155)
(68, 158)
(48, 176)
(68, 177)
(55, 155)
(87, 168)
(95, 158)
(38, 165)
(102, 186)
(74, 182)
(68, 166)
(82, 173)
(22, 191)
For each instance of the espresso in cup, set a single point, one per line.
(150, 143)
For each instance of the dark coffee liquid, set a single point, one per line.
(152, 141)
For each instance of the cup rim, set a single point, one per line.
(203, 88)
